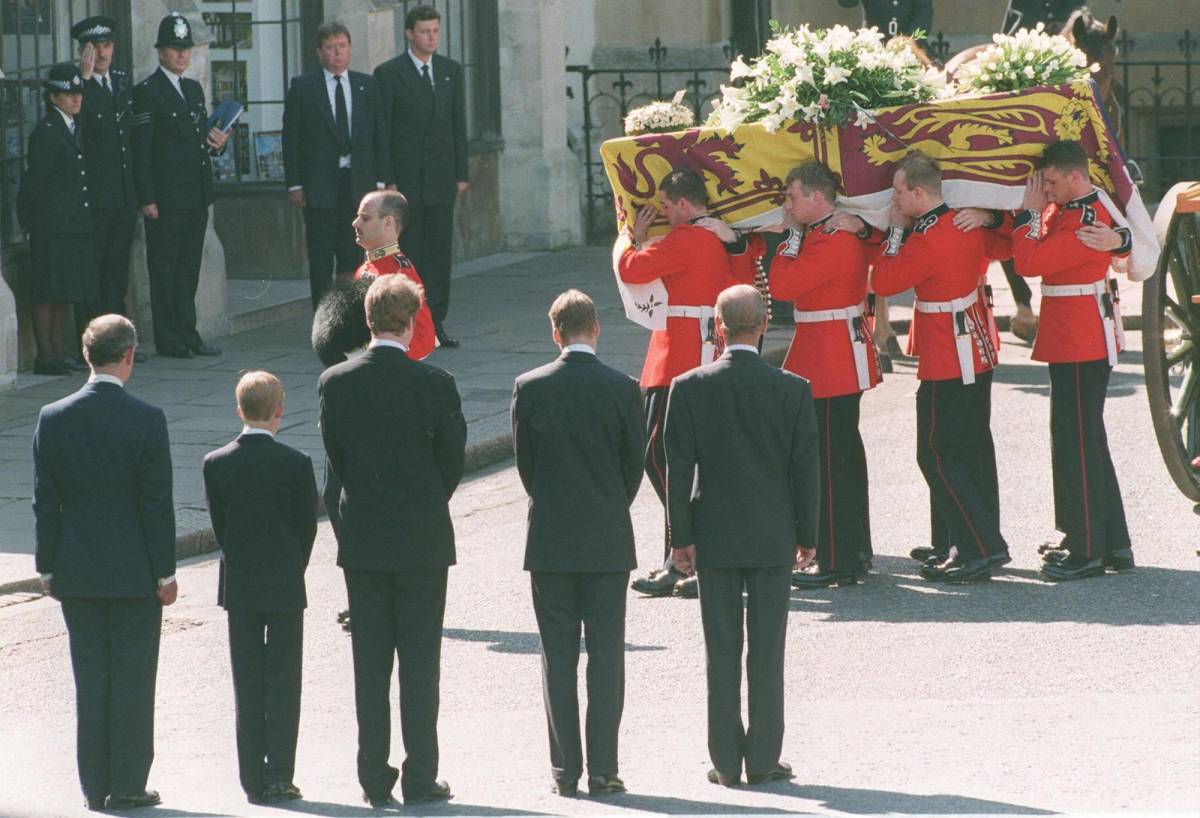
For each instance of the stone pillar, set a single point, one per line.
(372, 25)
(8, 336)
(539, 185)
(212, 307)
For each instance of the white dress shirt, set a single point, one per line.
(254, 430)
(417, 62)
(742, 347)
(174, 78)
(385, 342)
(67, 118)
(331, 89)
(578, 348)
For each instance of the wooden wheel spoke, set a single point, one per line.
(1181, 352)
(1185, 400)
(1178, 315)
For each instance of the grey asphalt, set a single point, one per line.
(1010, 697)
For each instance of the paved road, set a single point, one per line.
(1007, 697)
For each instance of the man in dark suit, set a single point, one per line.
(578, 436)
(106, 550)
(424, 95)
(743, 490)
(896, 17)
(172, 169)
(335, 151)
(395, 437)
(107, 119)
(262, 498)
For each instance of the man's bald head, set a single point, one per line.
(741, 313)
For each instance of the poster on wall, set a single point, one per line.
(236, 158)
(229, 79)
(230, 29)
(268, 151)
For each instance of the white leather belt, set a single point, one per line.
(958, 322)
(857, 332)
(1108, 304)
(706, 317)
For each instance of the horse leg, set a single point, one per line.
(1024, 323)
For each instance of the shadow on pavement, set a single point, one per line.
(683, 806)
(864, 802)
(895, 593)
(520, 642)
(351, 811)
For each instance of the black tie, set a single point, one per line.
(104, 83)
(342, 120)
(425, 78)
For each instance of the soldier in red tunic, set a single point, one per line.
(1067, 237)
(950, 335)
(381, 218)
(694, 267)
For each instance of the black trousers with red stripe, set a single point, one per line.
(845, 535)
(1087, 500)
(958, 460)
(656, 453)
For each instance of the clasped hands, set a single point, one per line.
(684, 558)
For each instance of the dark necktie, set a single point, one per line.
(342, 120)
(425, 78)
(104, 83)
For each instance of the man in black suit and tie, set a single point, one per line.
(579, 439)
(262, 498)
(106, 550)
(424, 92)
(335, 151)
(395, 437)
(743, 490)
(172, 170)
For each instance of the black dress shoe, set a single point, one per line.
(1119, 560)
(922, 553)
(204, 350)
(658, 583)
(445, 340)
(279, 792)
(95, 804)
(687, 588)
(1072, 568)
(715, 777)
(343, 615)
(781, 772)
(149, 798)
(437, 791)
(822, 580)
(50, 368)
(605, 785)
(1050, 546)
(385, 801)
(565, 788)
(999, 559)
(956, 571)
(175, 352)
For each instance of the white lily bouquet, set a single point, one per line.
(659, 117)
(1029, 58)
(828, 77)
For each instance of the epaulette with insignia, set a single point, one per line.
(404, 262)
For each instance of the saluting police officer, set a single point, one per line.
(107, 118)
(53, 206)
(172, 170)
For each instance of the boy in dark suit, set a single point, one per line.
(263, 501)
(579, 438)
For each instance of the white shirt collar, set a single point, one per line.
(174, 78)
(98, 77)
(579, 348)
(102, 377)
(417, 62)
(384, 342)
(67, 118)
(329, 75)
(742, 347)
(251, 430)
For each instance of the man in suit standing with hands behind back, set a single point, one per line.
(424, 94)
(743, 490)
(334, 152)
(577, 431)
(395, 437)
(106, 550)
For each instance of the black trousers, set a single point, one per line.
(845, 534)
(766, 614)
(427, 241)
(655, 464)
(114, 656)
(174, 250)
(565, 604)
(397, 616)
(113, 238)
(329, 237)
(266, 653)
(958, 460)
(1087, 499)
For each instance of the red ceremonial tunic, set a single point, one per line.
(424, 336)
(694, 268)
(942, 263)
(1044, 244)
(825, 269)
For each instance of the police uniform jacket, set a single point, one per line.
(1045, 245)
(424, 338)
(55, 196)
(172, 161)
(824, 269)
(107, 119)
(694, 269)
(942, 263)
